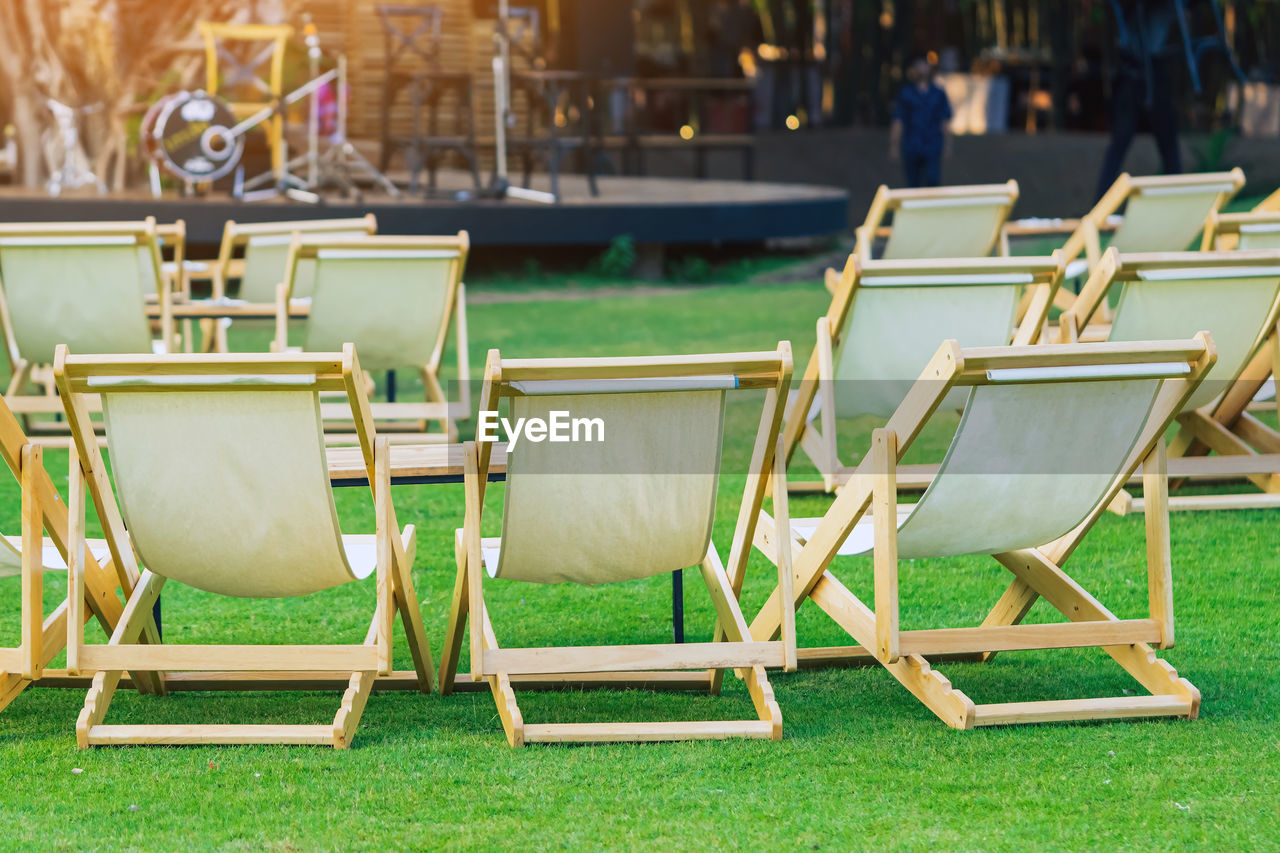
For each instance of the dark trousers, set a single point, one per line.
(1128, 106)
(922, 170)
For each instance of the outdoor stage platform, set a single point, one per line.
(667, 211)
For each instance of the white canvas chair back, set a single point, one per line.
(1236, 304)
(265, 260)
(1162, 214)
(1038, 449)
(955, 222)
(1257, 229)
(1029, 461)
(390, 302)
(227, 489)
(1167, 219)
(898, 320)
(639, 503)
(1259, 237)
(87, 291)
(946, 228)
(266, 252)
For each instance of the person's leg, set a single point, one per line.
(911, 168)
(933, 170)
(1126, 102)
(1164, 121)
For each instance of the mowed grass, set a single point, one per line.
(863, 765)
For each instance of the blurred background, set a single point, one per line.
(799, 92)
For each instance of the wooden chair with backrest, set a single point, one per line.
(235, 56)
(1235, 296)
(884, 323)
(1257, 229)
(256, 254)
(85, 284)
(397, 299)
(1049, 436)
(1227, 232)
(637, 504)
(262, 524)
(936, 222)
(33, 554)
(939, 222)
(1161, 214)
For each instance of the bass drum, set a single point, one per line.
(188, 134)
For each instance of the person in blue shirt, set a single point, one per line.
(920, 133)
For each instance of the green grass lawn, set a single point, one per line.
(863, 765)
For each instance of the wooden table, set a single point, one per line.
(412, 464)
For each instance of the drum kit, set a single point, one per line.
(197, 137)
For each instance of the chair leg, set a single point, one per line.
(353, 702)
(435, 394)
(355, 696)
(406, 602)
(90, 730)
(762, 697)
(455, 632)
(11, 684)
(914, 672)
(503, 694)
(1171, 695)
(767, 726)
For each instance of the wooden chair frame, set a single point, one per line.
(147, 234)
(1228, 238)
(1037, 571)
(236, 236)
(1247, 447)
(392, 416)
(334, 372)
(43, 511)
(1222, 230)
(234, 245)
(630, 666)
(888, 200)
(819, 374)
(1086, 238)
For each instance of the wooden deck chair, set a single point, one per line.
(1049, 436)
(1229, 237)
(396, 299)
(1162, 214)
(637, 504)
(1257, 229)
(884, 323)
(935, 222)
(30, 556)
(261, 523)
(1235, 296)
(33, 554)
(85, 284)
(256, 253)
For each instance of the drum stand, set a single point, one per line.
(334, 167)
(341, 160)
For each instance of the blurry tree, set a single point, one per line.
(109, 55)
